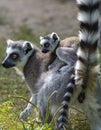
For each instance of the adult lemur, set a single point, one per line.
(87, 66)
(41, 82)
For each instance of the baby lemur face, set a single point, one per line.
(49, 42)
(17, 53)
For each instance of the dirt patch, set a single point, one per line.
(40, 15)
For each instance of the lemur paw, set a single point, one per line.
(24, 114)
(63, 69)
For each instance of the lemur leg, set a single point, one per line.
(63, 68)
(27, 111)
(67, 55)
(42, 102)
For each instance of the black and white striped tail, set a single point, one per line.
(87, 67)
(63, 114)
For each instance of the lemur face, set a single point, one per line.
(16, 53)
(49, 42)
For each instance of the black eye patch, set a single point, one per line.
(14, 56)
(46, 44)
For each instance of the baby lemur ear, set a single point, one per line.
(9, 42)
(55, 36)
(27, 46)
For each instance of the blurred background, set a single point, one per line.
(39, 15)
(27, 20)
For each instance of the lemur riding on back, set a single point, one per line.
(52, 44)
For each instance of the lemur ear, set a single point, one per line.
(9, 42)
(55, 36)
(41, 37)
(27, 46)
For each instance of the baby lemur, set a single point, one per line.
(41, 82)
(51, 43)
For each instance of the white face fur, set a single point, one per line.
(49, 43)
(17, 53)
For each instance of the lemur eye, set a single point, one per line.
(46, 44)
(14, 56)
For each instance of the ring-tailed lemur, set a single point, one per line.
(52, 44)
(87, 66)
(52, 41)
(41, 83)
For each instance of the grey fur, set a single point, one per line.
(42, 83)
(58, 49)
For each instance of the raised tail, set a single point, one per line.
(87, 66)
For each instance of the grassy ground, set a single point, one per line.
(11, 85)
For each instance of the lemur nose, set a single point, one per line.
(4, 64)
